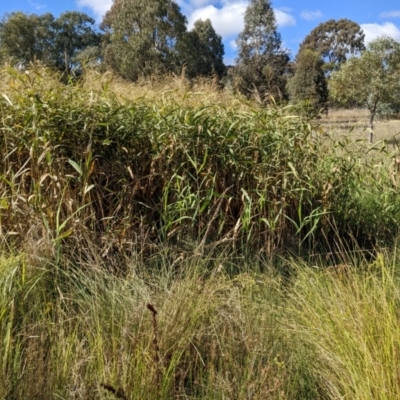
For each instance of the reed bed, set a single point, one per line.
(78, 167)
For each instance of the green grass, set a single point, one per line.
(350, 321)
(326, 334)
(67, 334)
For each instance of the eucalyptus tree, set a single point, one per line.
(142, 36)
(73, 33)
(204, 51)
(56, 42)
(335, 41)
(309, 82)
(26, 37)
(261, 61)
(370, 79)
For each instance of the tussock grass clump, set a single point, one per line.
(91, 335)
(350, 323)
(199, 333)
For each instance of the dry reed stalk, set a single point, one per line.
(156, 346)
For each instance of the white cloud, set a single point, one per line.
(390, 14)
(99, 7)
(286, 9)
(283, 18)
(228, 19)
(311, 15)
(229, 60)
(373, 31)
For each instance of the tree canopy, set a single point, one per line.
(370, 79)
(261, 61)
(205, 50)
(309, 82)
(335, 40)
(139, 38)
(26, 37)
(73, 34)
(56, 42)
(142, 36)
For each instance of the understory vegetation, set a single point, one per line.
(179, 242)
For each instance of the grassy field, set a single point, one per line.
(173, 241)
(340, 122)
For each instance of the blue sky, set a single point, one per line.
(295, 18)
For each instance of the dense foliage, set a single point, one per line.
(309, 82)
(184, 242)
(335, 40)
(255, 179)
(205, 52)
(149, 248)
(56, 42)
(143, 37)
(261, 61)
(138, 39)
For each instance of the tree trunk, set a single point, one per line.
(372, 112)
(371, 129)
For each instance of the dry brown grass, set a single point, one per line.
(354, 123)
(201, 92)
(351, 126)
